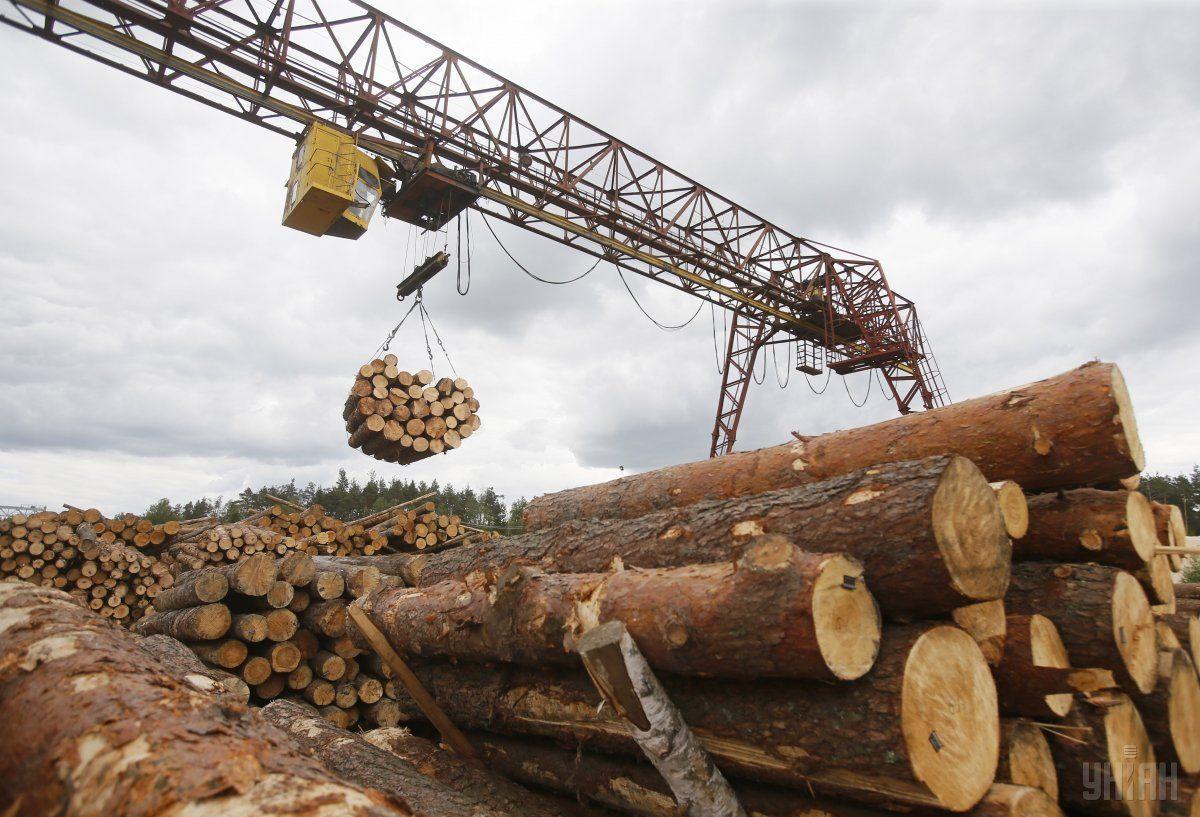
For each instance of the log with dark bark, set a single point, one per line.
(1086, 525)
(1172, 531)
(468, 778)
(921, 728)
(361, 763)
(1027, 682)
(928, 533)
(775, 612)
(1171, 713)
(95, 725)
(194, 588)
(1186, 627)
(184, 663)
(1025, 758)
(202, 623)
(1104, 759)
(987, 624)
(636, 788)
(1074, 429)
(1102, 615)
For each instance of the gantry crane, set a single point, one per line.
(443, 133)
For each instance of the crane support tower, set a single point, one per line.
(447, 134)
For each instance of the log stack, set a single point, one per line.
(280, 627)
(397, 416)
(424, 528)
(1012, 573)
(316, 532)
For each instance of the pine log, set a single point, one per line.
(192, 589)
(297, 569)
(1105, 762)
(1033, 645)
(1158, 583)
(1086, 525)
(1074, 429)
(1171, 529)
(327, 618)
(328, 585)
(936, 747)
(281, 625)
(190, 624)
(775, 612)
(361, 763)
(1013, 507)
(94, 725)
(359, 579)
(253, 576)
(185, 665)
(1025, 758)
(280, 595)
(227, 654)
(635, 788)
(928, 533)
(987, 624)
(1171, 713)
(1102, 615)
(1186, 627)
(250, 627)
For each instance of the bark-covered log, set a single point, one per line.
(775, 612)
(184, 663)
(928, 533)
(1171, 713)
(468, 778)
(1156, 579)
(192, 589)
(1105, 762)
(190, 624)
(95, 725)
(253, 576)
(987, 624)
(636, 788)
(1025, 758)
(357, 761)
(921, 728)
(1074, 429)
(296, 569)
(1013, 507)
(1102, 615)
(1086, 525)
(1172, 531)
(1186, 627)
(1179, 797)
(228, 653)
(359, 579)
(1033, 644)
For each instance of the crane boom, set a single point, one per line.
(285, 64)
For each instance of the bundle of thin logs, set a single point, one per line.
(266, 628)
(317, 532)
(423, 528)
(107, 565)
(1028, 650)
(401, 417)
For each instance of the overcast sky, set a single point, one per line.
(1027, 175)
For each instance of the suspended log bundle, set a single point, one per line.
(397, 416)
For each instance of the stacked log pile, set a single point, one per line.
(401, 417)
(1024, 644)
(316, 532)
(279, 626)
(424, 528)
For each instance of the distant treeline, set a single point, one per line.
(349, 499)
(1182, 490)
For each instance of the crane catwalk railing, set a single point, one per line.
(284, 63)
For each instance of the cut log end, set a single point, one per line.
(1183, 711)
(1143, 531)
(1127, 432)
(1134, 631)
(846, 618)
(950, 717)
(1013, 507)
(1129, 752)
(1029, 761)
(1049, 651)
(970, 532)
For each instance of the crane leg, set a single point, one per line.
(747, 334)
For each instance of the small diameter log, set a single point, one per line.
(281, 625)
(327, 618)
(775, 612)
(227, 654)
(1102, 615)
(987, 624)
(255, 670)
(624, 678)
(1086, 525)
(1104, 759)
(920, 729)
(928, 533)
(1029, 678)
(1171, 713)
(104, 728)
(1025, 758)
(1013, 507)
(284, 656)
(467, 778)
(191, 624)
(328, 585)
(249, 627)
(185, 665)
(1074, 429)
(192, 589)
(280, 595)
(1172, 532)
(253, 576)
(634, 788)
(359, 579)
(357, 761)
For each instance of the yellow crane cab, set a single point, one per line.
(333, 188)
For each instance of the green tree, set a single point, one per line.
(1181, 489)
